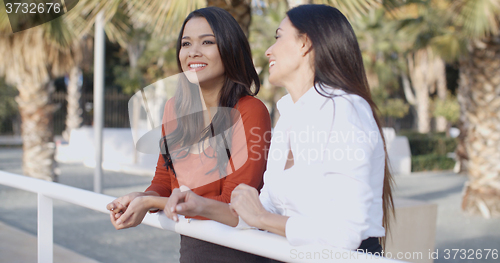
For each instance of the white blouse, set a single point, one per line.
(333, 192)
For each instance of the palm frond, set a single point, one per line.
(5, 27)
(358, 8)
(162, 18)
(351, 8)
(449, 46)
(479, 18)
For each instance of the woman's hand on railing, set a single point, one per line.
(184, 202)
(245, 202)
(120, 204)
(133, 215)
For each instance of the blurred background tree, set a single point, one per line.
(31, 59)
(449, 109)
(8, 109)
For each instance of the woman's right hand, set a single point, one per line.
(120, 204)
(185, 203)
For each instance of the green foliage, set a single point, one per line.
(477, 18)
(449, 108)
(263, 29)
(8, 105)
(431, 162)
(397, 108)
(130, 82)
(429, 151)
(156, 62)
(447, 26)
(432, 143)
(389, 107)
(382, 46)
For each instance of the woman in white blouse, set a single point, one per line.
(327, 178)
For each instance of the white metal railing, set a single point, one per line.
(252, 241)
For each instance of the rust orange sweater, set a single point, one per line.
(249, 166)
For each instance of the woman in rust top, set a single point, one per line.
(215, 135)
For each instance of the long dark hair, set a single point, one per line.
(338, 64)
(240, 75)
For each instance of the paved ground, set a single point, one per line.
(455, 230)
(90, 234)
(22, 247)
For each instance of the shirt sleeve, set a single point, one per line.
(266, 203)
(336, 195)
(250, 144)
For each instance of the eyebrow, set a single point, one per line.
(201, 36)
(278, 29)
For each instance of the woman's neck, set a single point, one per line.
(300, 84)
(210, 92)
(300, 79)
(210, 97)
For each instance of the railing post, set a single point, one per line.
(45, 229)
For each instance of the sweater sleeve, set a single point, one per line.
(250, 143)
(162, 180)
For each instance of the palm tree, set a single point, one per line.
(30, 60)
(470, 35)
(468, 31)
(74, 110)
(478, 94)
(241, 10)
(382, 47)
(427, 74)
(40, 54)
(165, 16)
(421, 23)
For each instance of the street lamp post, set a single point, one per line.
(99, 43)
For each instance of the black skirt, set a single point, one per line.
(371, 245)
(198, 251)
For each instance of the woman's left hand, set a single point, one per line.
(245, 201)
(133, 216)
(184, 202)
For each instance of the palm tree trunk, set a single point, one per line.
(418, 66)
(480, 105)
(36, 128)
(241, 10)
(74, 111)
(441, 89)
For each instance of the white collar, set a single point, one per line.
(311, 99)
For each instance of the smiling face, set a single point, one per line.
(199, 52)
(286, 56)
